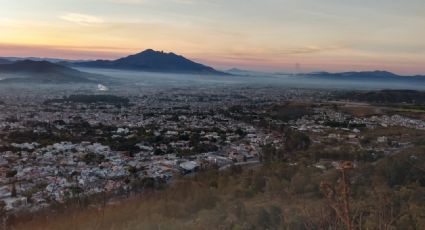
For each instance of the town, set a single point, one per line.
(56, 147)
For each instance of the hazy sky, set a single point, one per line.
(269, 35)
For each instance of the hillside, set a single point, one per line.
(150, 60)
(41, 72)
(278, 195)
(386, 96)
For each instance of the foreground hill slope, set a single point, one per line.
(278, 195)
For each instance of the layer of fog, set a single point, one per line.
(136, 83)
(159, 80)
(5, 76)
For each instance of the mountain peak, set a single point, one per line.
(149, 51)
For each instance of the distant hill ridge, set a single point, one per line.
(4, 61)
(41, 72)
(32, 66)
(361, 74)
(151, 60)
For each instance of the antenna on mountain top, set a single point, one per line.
(297, 69)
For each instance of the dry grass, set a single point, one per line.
(208, 201)
(153, 210)
(276, 196)
(362, 111)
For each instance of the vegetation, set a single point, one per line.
(89, 99)
(290, 111)
(386, 194)
(387, 96)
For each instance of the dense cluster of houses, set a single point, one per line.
(55, 173)
(34, 175)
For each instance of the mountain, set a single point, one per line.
(370, 75)
(243, 72)
(41, 72)
(4, 61)
(375, 77)
(51, 60)
(155, 61)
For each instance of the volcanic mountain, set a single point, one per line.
(154, 61)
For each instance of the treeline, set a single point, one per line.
(90, 99)
(294, 142)
(386, 96)
(344, 124)
(289, 111)
(49, 134)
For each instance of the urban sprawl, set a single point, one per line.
(55, 150)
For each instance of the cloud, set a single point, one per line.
(146, 1)
(309, 49)
(128, 1)
(83, 19)
(185, 1)
(62, 51)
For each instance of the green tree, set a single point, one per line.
(263, 219)
(295, 141)
(14, 193)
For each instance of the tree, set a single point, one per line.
(339, 198)
(264, 220)
(272, 154)
(148, 183)
(275, 216)
(11, 173)
(3, 216)
(259, 183)
(2, 208)
(296, 141)
(14, 193)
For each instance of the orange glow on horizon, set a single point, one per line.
(325, 36)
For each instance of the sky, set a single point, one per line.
(267, 35)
